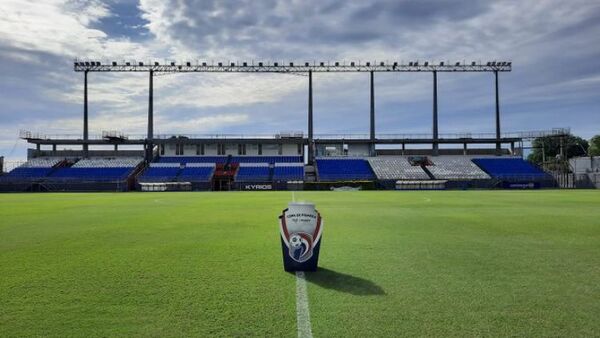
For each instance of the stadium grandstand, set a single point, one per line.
(287, 160)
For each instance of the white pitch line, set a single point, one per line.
(302, 311)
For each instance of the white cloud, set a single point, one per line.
(200, 125)
(550, 43)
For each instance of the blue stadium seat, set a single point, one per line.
(253, 174)
(33, 169)
(196, 174)
(344, 170)
(288, 173)
(159, 174)
(511, 169)
(96, 170)
(27, 173)
(90, 174)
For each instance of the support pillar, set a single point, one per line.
(498, 145)
(512, 148)
(85, 114)
(465, 148)
(403, 148)
(116, 147)
(150, 137)
(435, 115)
(54, 148)
(372, 120)
(311, 149)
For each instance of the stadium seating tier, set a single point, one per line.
(455, 168)
(344, 170)
(396, 168)
(511, 169)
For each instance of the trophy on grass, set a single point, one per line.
(300, 226)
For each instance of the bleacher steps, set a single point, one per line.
(310, 174)
(424, 167)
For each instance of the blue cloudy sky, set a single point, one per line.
(553, 44)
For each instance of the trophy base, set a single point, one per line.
(291, 265)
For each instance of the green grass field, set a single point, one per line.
(456, 263)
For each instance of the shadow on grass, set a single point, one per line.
(330, 279)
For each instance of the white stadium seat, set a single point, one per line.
(396, 168)
(41, 162)
(124, 162)
(455, 167)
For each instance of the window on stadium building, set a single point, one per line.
(178, 149)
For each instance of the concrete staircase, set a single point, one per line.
(310, 173)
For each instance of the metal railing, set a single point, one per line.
(346, 136)
(24, 134)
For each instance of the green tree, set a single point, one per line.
(594, 149)
(550, 147)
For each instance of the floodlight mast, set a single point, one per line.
(155, 68)
(275, 67)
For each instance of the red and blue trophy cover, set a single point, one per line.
(301, 226)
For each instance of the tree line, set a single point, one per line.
(548, 147)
